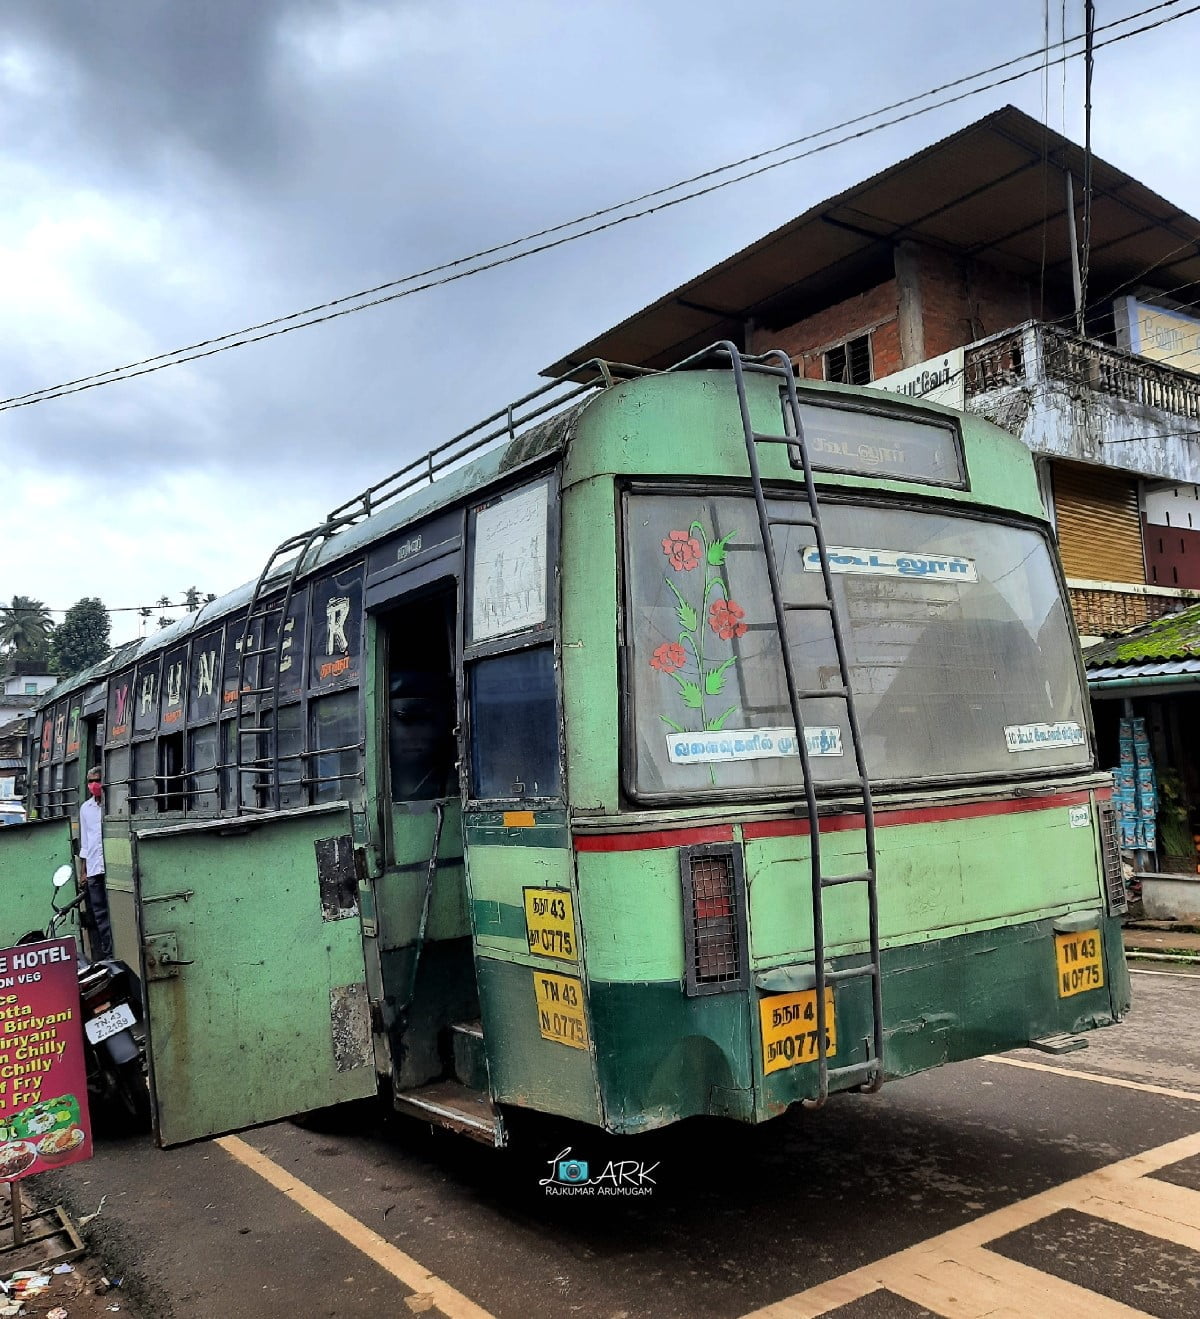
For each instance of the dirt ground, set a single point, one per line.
(79, 1290)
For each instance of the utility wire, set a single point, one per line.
(608, 210)
(1089, 10)
(334, 309)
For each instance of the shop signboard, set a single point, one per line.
(44, 1121)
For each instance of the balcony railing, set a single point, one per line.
(1035, 353)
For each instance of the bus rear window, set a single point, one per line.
(961, 657)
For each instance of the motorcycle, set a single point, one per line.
(111, 1009)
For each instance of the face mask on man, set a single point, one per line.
(95, 789)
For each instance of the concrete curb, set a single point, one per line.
(1180, 959)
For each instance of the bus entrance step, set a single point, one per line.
(1059, 1043)
(470, 1059)
(456, 1107)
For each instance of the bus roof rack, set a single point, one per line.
(597, 374)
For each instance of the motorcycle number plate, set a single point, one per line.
(109, 1023)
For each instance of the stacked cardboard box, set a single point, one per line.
(1135, 795)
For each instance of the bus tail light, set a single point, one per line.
(1110, 854)
(714, 924)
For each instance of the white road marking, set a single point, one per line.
(1145, 1086)
(453, 1304)
(953, 1275)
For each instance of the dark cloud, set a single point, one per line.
(143, 80)
(175, 170)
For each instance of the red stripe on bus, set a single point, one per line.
(723, 833)
(631, 842)
(918, 815)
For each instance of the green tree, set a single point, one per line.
(82, 638)
(25, 629)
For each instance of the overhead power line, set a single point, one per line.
(336, 308)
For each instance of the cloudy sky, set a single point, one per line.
(176, 169)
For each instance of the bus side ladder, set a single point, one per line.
(257, 714)
(868, 1074)
(262, 699)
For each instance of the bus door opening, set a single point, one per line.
(426, 947)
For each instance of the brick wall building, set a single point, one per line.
(963, 254)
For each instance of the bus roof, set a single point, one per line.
(410, 494)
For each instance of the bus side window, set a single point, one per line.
(170, 772)
(116, 782)
(143, 800)
(201, 783)
(336, 739)
(514, 726)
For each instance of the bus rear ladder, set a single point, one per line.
(868, 1074)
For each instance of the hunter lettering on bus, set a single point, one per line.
(73, 731)
(60, 731)
(145, 697)
(47, 743)
(174, 674)
(336, 634)
(120, 707)
(204, 692)
(43, 1079)
(233, 653)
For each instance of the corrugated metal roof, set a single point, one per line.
(1105, 673)
(994, 190)
(1174, 638)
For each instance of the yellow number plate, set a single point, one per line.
(789, 1029)
(1080, 962)
(550, 923)
(560, 1009)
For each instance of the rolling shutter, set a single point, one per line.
(1099, 523)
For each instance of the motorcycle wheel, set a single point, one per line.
(126, 1095)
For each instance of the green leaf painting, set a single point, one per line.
(708, 618)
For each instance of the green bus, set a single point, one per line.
(699, 742)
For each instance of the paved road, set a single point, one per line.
(1022, 1186)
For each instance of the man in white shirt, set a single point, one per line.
(91, 860)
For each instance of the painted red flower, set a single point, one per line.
(668, 657)
(683, 550)
(725, 619)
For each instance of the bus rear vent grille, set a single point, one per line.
(1114, 877)
(713, 934)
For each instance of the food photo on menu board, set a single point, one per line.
(43, 1075)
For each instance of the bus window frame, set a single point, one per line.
(546, 633)
(317, 690)
(854, 496)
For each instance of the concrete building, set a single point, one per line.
(951, 274)
(21, 686)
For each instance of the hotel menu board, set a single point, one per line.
(44, 1120)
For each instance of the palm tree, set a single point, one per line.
(25, 628)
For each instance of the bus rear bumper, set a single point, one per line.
(662, 1056)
